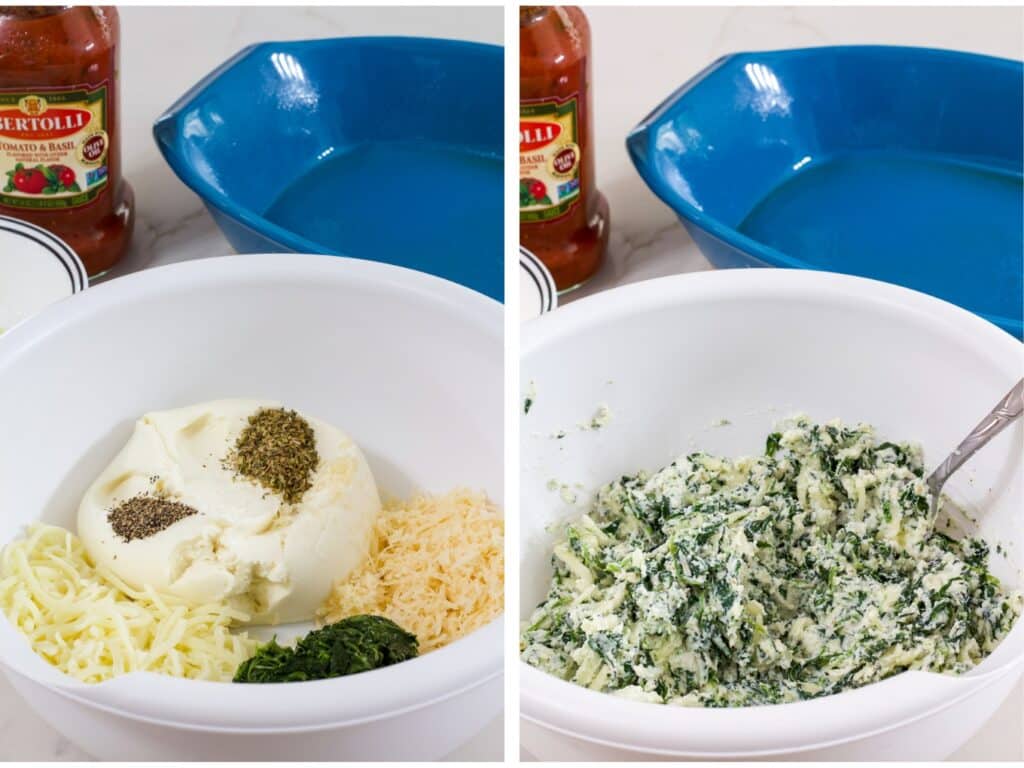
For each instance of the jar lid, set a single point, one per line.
(537, 293)
(37, 268)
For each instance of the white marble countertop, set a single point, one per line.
(642, 54)
(173, 225)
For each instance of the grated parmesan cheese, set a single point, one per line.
(92, 626)
(437, 568)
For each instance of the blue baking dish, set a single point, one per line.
(382, 148)
(901, 164)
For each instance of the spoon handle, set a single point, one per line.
(1006, 411)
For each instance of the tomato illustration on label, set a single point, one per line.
(65, 174)
(30, 181)
(41, 180)
(533, 192)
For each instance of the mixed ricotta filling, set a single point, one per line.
(814, 568)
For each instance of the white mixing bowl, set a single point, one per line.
(673, 357)
(409, 365)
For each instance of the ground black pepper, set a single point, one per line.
(142, 516)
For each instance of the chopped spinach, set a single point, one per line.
(813, 568)
(355, 644)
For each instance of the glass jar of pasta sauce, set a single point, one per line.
(563, 218)
(60, 155)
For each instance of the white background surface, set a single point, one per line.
(164, 52)
(641, 55)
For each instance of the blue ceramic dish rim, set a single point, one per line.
(255, 222)
(729, 235)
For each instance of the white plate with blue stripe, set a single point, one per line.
(37, 268)
(537, 293)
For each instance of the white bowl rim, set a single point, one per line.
(435, 676)
(696, 732)
(754, 282)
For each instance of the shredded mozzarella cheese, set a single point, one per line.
(92, 626)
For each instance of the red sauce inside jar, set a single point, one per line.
(60, 154)
(563, 217)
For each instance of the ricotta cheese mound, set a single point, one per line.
(244, 546)
(800, 573)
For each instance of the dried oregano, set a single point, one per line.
(277, 449)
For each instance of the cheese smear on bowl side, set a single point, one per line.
(244, 546)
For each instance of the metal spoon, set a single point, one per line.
(1005, 413)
